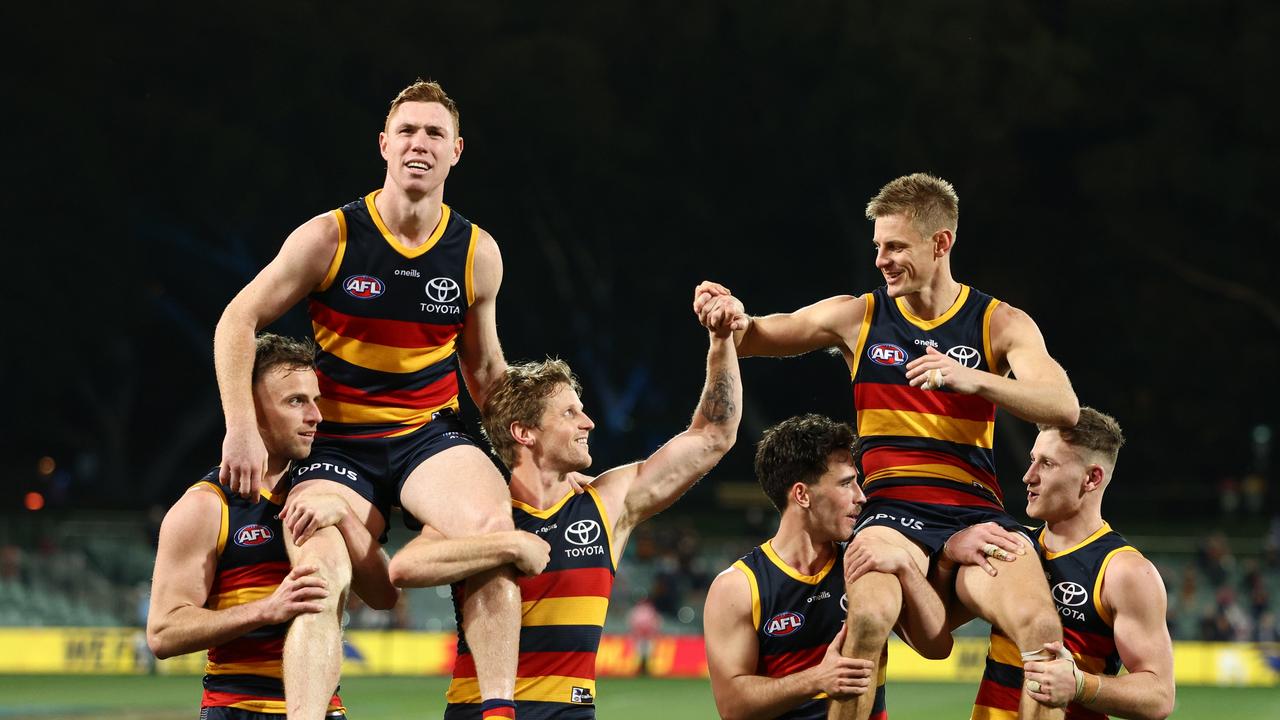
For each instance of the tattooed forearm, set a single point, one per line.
(717, 402)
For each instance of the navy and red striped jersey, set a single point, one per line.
(246, 672)
(562, 615)
(387, 320)
(1075, 580)
(796, 617)
(919, 445)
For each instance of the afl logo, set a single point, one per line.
(964, 355)
(583, 532)
(887, 354)
(443, 290)
(364, 287)
(1070, 594)
(844, 603)
(251, 535)
(783, 624)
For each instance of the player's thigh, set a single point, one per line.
(363, 509)
(459, 492)
(1019, 590)
(885, 535)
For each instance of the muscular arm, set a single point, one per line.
(431, 559)
(1134, 592)
(178, 621)
(480, 353)
(633, 493)
(733, 654)
(834, 322)
(1039, 390)
(300, 266)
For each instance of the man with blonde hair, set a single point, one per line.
(931, 360)
(401, 292)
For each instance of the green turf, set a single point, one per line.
(45, 697)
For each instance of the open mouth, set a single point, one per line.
(417, 165)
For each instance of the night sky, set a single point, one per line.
(1114, 161)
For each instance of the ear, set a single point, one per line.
(521, 433)
(382, 144)
(457, 152)
(943, 240)
(1095, 478)
(800, 493)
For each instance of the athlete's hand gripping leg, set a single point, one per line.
(1018, 604)
(875, 602)
(313, 647)
(460, 493)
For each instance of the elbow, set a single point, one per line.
(158, 643)
(1164, 706)
(401, 574)
(1070, 411)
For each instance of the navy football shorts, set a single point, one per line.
(230, 713)
(377, 468)
(931, 525)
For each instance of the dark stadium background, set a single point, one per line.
(1115, 162)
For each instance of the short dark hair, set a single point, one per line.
(273, 351)
(1095, 431)
(796, 450)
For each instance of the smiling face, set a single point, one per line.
(906, 258)
(420, 144)
(835, 500)
(285, 399)
(1057, 480)
(560, 440)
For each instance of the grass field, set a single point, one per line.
(46, 697)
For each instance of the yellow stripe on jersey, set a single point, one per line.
(393, 241)
(240, 596)
(382, 358)
(867, 315)
(931, 324)
(604, 518)
(1050, 555)
(265, 668)
(791, 572)
(1004, 651)
(982, 712)
(986, 335)
(342, 412)
(927, 470)
(470, 276)
(1103, 612)
(755, 593)
(978, 433)
(225, 521)
(332, 274)
(584, 610)
(546, 688)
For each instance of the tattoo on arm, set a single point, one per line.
(717, 402)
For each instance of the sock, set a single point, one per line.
(497, 709)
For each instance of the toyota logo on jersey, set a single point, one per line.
(583, 532)
(1070, 594)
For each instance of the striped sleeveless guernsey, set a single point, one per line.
(917, 445)
(1075, 578)
(562, 615)
(245, 673)
(796, 617)
(387, 319)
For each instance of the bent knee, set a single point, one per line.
(327, 552)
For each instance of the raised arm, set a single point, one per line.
(733, 656)
(1134, 594)
(178, 621)
(480, 352)
(1039, 390)
(834, 322)
(301, 266)
(431, 559)
(633, 493)
(306, 513)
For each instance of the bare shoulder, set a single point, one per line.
(1007, 318)
(1131, 580)
(487, 264)
(730, 592)
(196, 516)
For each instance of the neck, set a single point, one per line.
(538, 488)
(411, 218)
(1071, 531)
(798, 547)
(931, 301)
(277, 475)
